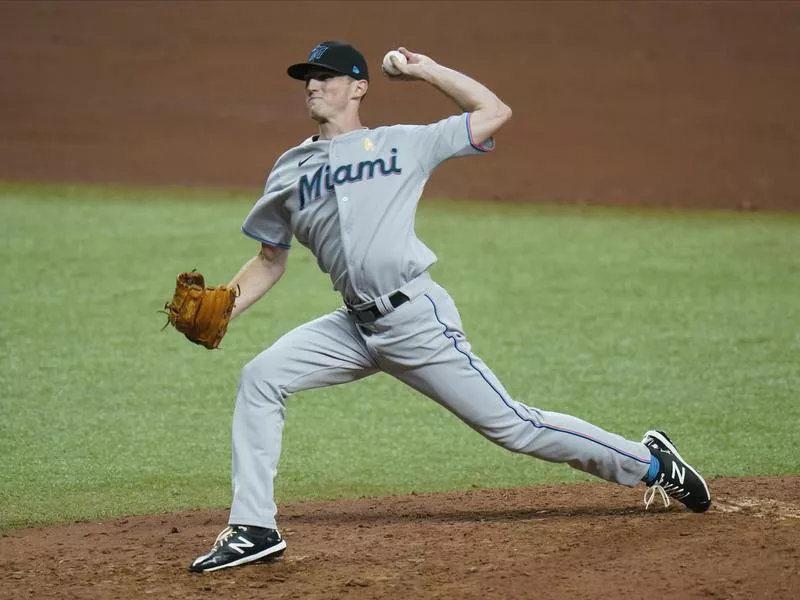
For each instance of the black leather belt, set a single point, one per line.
(371, 313)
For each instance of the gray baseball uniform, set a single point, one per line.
(352, 201)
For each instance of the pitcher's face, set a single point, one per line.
(328, 93)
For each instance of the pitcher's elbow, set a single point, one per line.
(505, 112)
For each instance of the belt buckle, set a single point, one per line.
(365, 315)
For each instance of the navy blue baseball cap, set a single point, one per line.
(333, 56)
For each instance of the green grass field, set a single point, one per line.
(632, 319)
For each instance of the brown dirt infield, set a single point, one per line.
(573, 541)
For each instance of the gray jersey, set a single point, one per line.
(352, 201)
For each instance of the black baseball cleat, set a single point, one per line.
(676, 478)
(239, 545)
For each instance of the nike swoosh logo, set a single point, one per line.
(302, 162)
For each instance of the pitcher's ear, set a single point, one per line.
(361, 88)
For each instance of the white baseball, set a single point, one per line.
(389, 60)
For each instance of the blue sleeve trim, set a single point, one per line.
(479, 147)
(267, 242)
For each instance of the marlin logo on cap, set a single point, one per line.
(317, 53)
(355, 70)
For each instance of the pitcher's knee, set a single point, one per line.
(516, 438)
(260, 382)
(251, 372)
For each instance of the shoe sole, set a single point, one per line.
(271, 552)
(662, 438)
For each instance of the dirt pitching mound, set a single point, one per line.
(573, 541)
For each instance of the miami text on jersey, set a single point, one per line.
(366, 169)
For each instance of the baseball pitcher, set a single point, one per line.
(350, 194)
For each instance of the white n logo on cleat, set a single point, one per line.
(677, 471)
(245, 543)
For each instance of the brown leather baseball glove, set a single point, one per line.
(200, 313)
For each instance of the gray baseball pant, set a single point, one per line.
(422, 344)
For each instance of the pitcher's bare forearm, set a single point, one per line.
(468, 94)
(488, 112)
(257, 277)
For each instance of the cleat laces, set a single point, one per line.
(650, 496)
(665, 489)
(224, 536)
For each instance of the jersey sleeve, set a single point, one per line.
(448, 138)
(269, 221)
